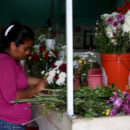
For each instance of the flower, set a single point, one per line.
(40, 60)
(112, 31)
(120, 103)
(56, 77)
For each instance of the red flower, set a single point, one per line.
(55, 53)
(56, 76)
(42, 48)
(119, 9)
(127, 9)
(35, 57)
(63, 67)
(124, 9)
(46, 56)
(53, 66)
(53, 34)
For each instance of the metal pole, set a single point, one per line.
(69, 39)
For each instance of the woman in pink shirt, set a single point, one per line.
(15, 42)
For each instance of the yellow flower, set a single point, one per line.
(107, 112)
(43, 53)
(85, 62)
(80, 62)
(103, 112)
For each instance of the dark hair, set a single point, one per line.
(15, 33)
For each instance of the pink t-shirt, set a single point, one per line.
(12, 79)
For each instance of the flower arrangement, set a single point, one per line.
(120, 103)
(112, 32)
(56, 76)
(40, 59)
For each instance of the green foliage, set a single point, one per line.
(87, 102)
(92, 102)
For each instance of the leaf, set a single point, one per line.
(88, 115)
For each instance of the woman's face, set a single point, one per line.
(22, 50)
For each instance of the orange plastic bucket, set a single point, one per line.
(116, 69)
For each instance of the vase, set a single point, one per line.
(116, 70)
(50, 44)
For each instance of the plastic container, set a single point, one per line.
(94, 77)
(116, 69)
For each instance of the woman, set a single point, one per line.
(15, 42)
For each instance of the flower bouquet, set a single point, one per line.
(56, 77)
(40, 59)
(112, 32)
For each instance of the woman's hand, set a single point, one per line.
(41, 85)
(32, 81)
(30, 92)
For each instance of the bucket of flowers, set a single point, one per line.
(112, 33)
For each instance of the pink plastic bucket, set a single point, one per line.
(94, 77)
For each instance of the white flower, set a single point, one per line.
(61, 79)
(127, 20)
(52, 73)
(50, 79)
(113, 41)
(58, 71)
(91, 60)
(42, 72)
(105, 16)
(113, 14)
(63, 47)
(51, 53)
(42, 38)
(128, 13)
(126, 25)
(109, 32)
(126, 28)
(58, 63)
(89, 53)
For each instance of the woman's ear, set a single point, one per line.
(12, 46)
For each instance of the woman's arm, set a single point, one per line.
(31, 81)
(30, 92)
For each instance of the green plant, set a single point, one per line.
(87, 102)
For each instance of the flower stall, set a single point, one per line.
(104, 107)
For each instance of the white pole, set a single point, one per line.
(69, 39)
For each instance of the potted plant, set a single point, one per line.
(112, 34)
